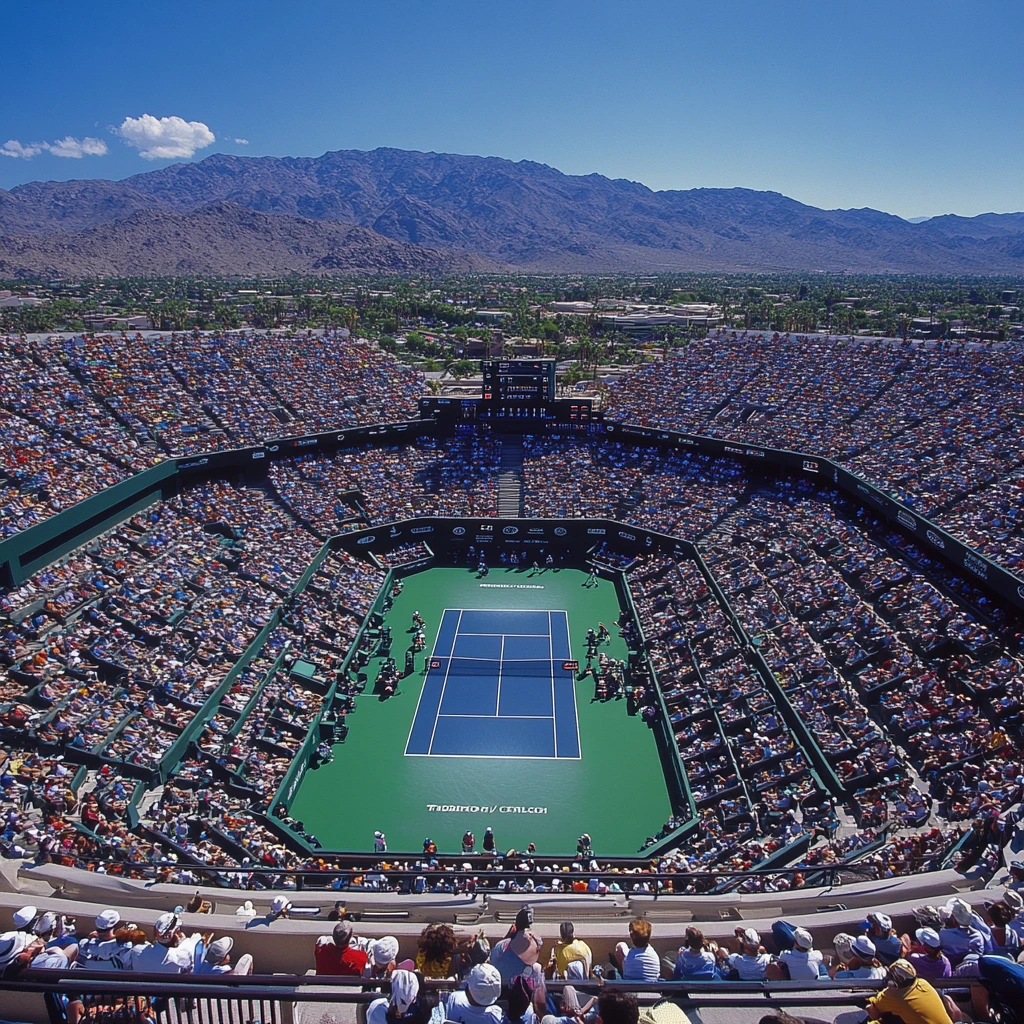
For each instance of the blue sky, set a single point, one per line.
(913, 108)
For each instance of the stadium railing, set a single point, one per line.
(278, 998)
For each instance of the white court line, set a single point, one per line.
(538, 635)
(575, 706)
(551, 672)
(501, 661)
(415, 713)
(437, 714)
(503, 757)
(541, 718)
(463, 657)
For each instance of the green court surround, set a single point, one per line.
(616, 791)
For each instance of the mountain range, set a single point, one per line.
(398, 211)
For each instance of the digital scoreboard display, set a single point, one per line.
(518, 380)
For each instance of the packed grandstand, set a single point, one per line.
(845, 704)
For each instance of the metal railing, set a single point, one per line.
(271, 999)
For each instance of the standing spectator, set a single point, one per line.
(489, 841)
(336, 956)
(908, 998)
(380, 843)
(475, 1004)
(568, 949)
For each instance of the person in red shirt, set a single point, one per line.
(336, 955)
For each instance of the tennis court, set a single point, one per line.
(539, 759)
(498, 684)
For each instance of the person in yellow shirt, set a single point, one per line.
(908, 998)
(569, 948)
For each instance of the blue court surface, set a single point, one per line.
(496, 686)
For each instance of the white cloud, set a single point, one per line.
(242, 142)
(164, 138)
(12, 147)
(69, 147)
(75, 149)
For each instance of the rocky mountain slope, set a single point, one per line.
(221, 238)
(525, 215)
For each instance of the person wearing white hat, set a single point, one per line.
(25, 918)
(246, 910)
(405, 988)
(803, 962)
(172, 952)
(217, 959)
(383, 953)
(959, 938)
(279, 907)
(888, 947)
(751, 963)
(476, 1003)
(100, 951)
(380, 843)
(862, 962)
(927, 957)
(1015, 901)
(17, 949)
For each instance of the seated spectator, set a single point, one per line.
(888, 947)
(402, 1005)
(929, 961)
(218, 959)
(617, 1007)
(1005, 940)
(751, 963)
(17, 950)
(383, 953)
(571, 1011)
(336, 956)
(568, 948)
(172, 951)
(803, 962)
(959, 938)
(639, 962)
(527, 998)
(908, 998)
(696, 960)
(519, 949)
(435, 951)
(100, 950)
(475, 1004)
(860, 963)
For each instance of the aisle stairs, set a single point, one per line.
(510, 479)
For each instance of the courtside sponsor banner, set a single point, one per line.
(484, 809)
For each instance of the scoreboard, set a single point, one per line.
(518, 380)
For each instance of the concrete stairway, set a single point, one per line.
(510, 479)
